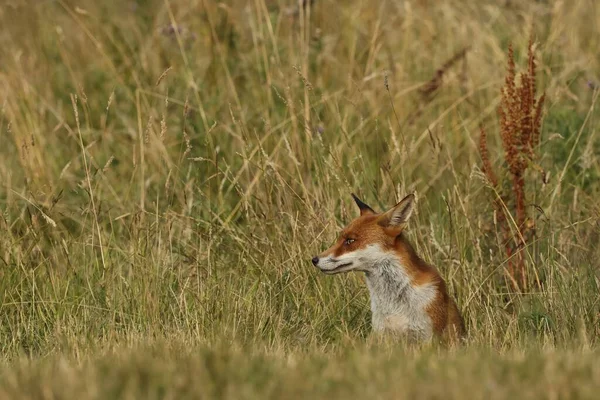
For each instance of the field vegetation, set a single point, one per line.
(168, 169)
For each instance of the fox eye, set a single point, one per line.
(348, 241)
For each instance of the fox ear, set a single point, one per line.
(364, 209)
(398, 216)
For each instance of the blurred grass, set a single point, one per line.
(173, 369)
(142, 203)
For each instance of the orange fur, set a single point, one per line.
(372, 228)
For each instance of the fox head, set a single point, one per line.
(368, 240)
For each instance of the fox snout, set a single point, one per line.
(329, 265)
(322, 262)
(318, 262)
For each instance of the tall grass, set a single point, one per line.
(168, 169)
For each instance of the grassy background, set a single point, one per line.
(168, 169)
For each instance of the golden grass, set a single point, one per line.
(169, 168)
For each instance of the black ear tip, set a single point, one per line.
(363, 207)
(357, 200)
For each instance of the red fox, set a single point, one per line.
(408, 296)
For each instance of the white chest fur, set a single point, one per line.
(396, 305)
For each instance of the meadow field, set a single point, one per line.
(168, 169)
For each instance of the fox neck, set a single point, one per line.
(397, 304)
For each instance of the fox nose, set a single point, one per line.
(315, 260)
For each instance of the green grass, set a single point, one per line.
(172, 369)
(156, 224)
